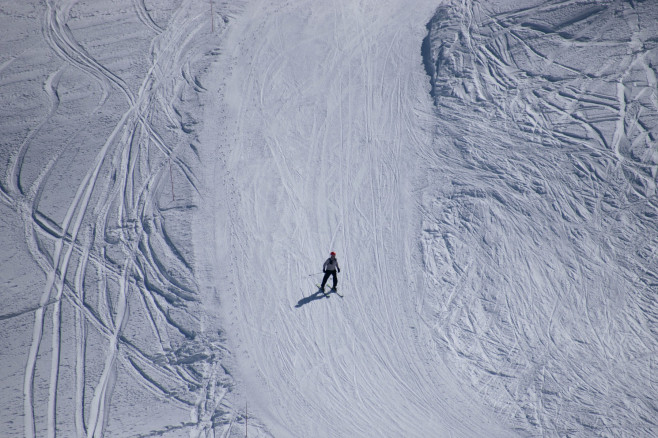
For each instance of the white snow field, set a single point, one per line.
(106, 330)
(175, 172)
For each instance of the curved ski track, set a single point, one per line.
(533, 311)
(540, 226)
(120, 305)
(498, 249)
(323, 111)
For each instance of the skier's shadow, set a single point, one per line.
(318, 295)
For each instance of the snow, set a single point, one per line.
(539, 241)
(175, 173)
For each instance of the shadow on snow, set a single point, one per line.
(318, 295)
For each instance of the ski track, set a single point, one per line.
(543, 217)
(318, 134)
(536, 188)
(498, 248)
(109, 261)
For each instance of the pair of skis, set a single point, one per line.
(333, 289)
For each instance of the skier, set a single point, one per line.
(330, 268)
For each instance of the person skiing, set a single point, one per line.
(330, 268)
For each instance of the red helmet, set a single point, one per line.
(333, 253)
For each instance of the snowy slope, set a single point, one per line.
(498, 255)
(325, 108)
(174, 173)
(540, 213)
(104, 322)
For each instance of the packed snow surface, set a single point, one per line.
(174, 174)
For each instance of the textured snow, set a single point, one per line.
(539, 229)
(106, 329)
(174, 174)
